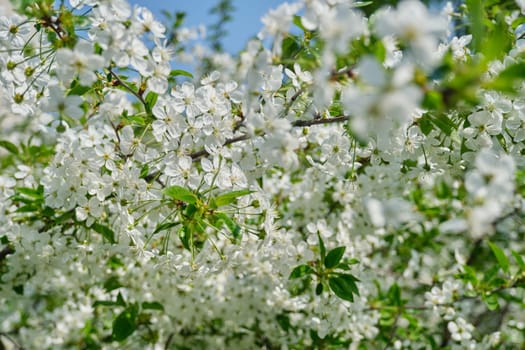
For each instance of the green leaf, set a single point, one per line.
(507, 78)
(298, 23)
(334, 257)
(150, 100)
(346, 264)
(120, 300)
(344, 286)
(104, 303)
(178, 72)
(284, 321)
(425, 125)
(491, 300)
(444, 123)
(79, 90)
(181, 194)
(519, 260)
(27, 208)
(503, 261)
(230, 197)
(234, 228)
(105, 231)
(394, 294)
(475, 13)
(322, 249)
(290, 47)
(165, 226)
(498, 41)
(9, 146)
(154, 305)
(144, 171)
(185, 236)
(135, 119)
(125, 324)
(319, 289)
(432, 100)
(112, 283)
(31, 192)
(65, 217)
(301, 271)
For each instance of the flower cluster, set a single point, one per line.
(356, 181)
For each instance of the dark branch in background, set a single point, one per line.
(174, 22)
(243, 137)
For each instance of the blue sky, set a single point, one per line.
(246, 22)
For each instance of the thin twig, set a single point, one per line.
(203, 152)
(127, 87)
(299, 123)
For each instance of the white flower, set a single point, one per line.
(81, 62)
(62, 103)
(460, 329)
(299, 76)
(412, 23)
(148, 23)
(338, 25)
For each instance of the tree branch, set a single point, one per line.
(297, 123)
(203, 152)
(127, 87)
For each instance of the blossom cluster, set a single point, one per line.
(357, 185)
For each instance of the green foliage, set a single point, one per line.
(125, 323)
(503, 261)
(181, 194)
(329, 273)
(224, 9)
(105, 231)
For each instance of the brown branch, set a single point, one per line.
(203, 152)
(299, 123)
(127, 87)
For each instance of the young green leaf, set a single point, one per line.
(234, 228)
(178, 72)
(9, 146)
(319, 289)
(394, 294)
(492, 302)
(344, 286)
(105, 231)
(503, 261)
(151, 99)
(112, 283)
(125, 324)
(230, 197)
(165, 226)
(153, 305)
(322, 249)
(519, 260)
(300, 271)
(185, 236)
(181, 194)
(334, 257)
